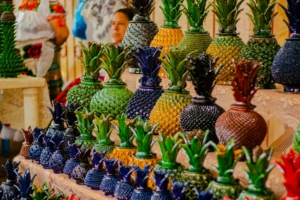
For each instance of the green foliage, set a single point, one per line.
(296, 141)
(103, 130)
(196, 13)
(44, 193)
(171, 12)
(7, 8)
(85, 123)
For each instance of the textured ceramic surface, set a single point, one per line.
(141, 194)
(219, 190)
(108, 184)
(123, 191)
(25, 150)
(57, 161)
(94, 178)
(123, 155)
(70, 165)
(79, 172)
(45, 157)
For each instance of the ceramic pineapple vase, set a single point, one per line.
(285, 65)
(203, 112)
(262, 46)
(47, 152)
(145, 97)
(37, 147)
(140, 31)
(241, 122)
(25, 185)
(73, 160)
(27, 143)
(110, 179)
(114, 97)
(125, 186)
(179, 190)
(80, 171)
(161, 191)
(141, 191)
(90, 83)
(57, 125)
(227, 44)
(9, 187)
(57, 159)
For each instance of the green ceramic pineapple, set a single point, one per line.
(114, 97)
(90, 83)
(262, 46)
(227, 44)
(296, 142)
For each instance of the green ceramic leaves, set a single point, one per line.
(172, 12)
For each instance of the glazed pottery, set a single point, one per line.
(46, 153)
(161, 192)
(141, 191)
(37, 147)
(57, 122)
(57, 160)
(25, 185)
(27, 143)
(178, 190)
(110, 180)
(124, 186)
(73, 160)
(9, 187)
(80, 171)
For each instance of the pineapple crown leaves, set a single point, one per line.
(169, 147)
(103, 130)
(227, 12)
(73, 150)
(28, 135)
(142, 9)
(57, 113)
(57, 141)
(178, 190)
(38, 134)
(296, 141)
(125, 173)
(84, 155)
(98, 159)
(203, 74)
(244, 81)
(293, 14)
(196, 12)
(113, 62)
(8, 8)
(196, 150)
(176, 71)
(161, 179)
(111, 165)
(142, 176)
(11, 168)
(172, 12)
(25, 183)
(69, 113)
(85, 123)
(262, 16)
(226, 162)
(47, 141)
(203, 195)
(149, 64)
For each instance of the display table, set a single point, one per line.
(24, 102)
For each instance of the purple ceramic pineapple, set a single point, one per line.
(161, 179)
(141, 191)
(25, 185)
(124, 186)
(57, 122)
(110, 179)
(178, 190)
(57, 160)
(9, 187)
(37, 147)
(73, 160)
(80, 171)
(47, 152)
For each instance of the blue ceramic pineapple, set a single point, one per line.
(95, 175)
(9, 187)
(37, 147)
(57, 160)
(124, 186)
(46, 153)
(161, 179)
(178, 190)
(73, 160)
(110, 179)
(204, 195)
(80, 171)
(57, 123)
(141, 191)
(25, 185)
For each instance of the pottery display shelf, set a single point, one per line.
(24, 102)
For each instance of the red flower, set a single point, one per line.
(58, 8)
(33, 5)
(35, 51)
(24, 5)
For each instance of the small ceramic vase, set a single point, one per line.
(110, 180)
(25, 185)
(124, 186)
(73, 160)
(37, 147)
(27, 143)
(46, 153)
(161, 180)
(9, 187)
(141, 191)
(80, 171)
(57, 160)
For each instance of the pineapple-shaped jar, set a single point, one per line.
(141, 191)
(9, 187)
(196, 40)
(110, 179)
(225, 184)
(124, 187)
(203, 112)
(85, 126)
(169, 106)
(103, 132)
(37, 147)
(262, 46)
(258, 172)
(140, 31)
(73, 160)
(296, 140)
(95, 175)
(227, 44)
(27, 143)
(47, 152)
(199, 177)
(25, 185)
(80, 171)
(57, 160)
(204, 195)
(179, 190)
(285, 68)
(57, 125)
(145, 97)
(161, 179)
(114, 97)
(90, 83)
(241, 122)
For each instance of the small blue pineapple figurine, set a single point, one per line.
(73, 160)
(110, 179)
(57, 160)
(178, 190)
(161, 179)
(95, 175)
(57, 123)
(37, 147)
(9, 187)
(124, 186)
(204, 195)
(25, 185)
(80, 171)
(141, 191)
(47, 152)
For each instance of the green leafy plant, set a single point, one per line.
(85, 123)
(172, 12)
(44, 193)
(103, 130)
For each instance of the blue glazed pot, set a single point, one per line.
(35, 152)
(94, 178)
(57, 162)
(70, 165)
(144, 194)
(161, 195)
(109, 184)
(123, 190)
(45, 157)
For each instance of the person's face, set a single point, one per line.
(118, 26)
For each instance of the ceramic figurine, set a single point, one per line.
(124, 186)
(285, 65)
(169, 106)
(47, 152)
(80, 171)
(95, 175)
(57, 122)
(179, 190)
(110, 179)
(241, 122)
(141, 191)
(145, 97)
(37, 147)
(161, 179)
(296, 141)
(227, 44)
(25, 185)
(27, 143)
(203, 112)
(114, 97)
(73, 160)
(57, 160)
(9, 187)
(90, 83)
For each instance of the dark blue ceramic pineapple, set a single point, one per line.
(124, 186)
(178, 190)
(57, 160)
(110, 179)
(204, 195)
(37, 147)
(25, 185)
(73, 160)
(161, 179)
(9, 187)
(80, 171)
(141, 191)
(57, 123)
(46, 153)
(95, 175)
